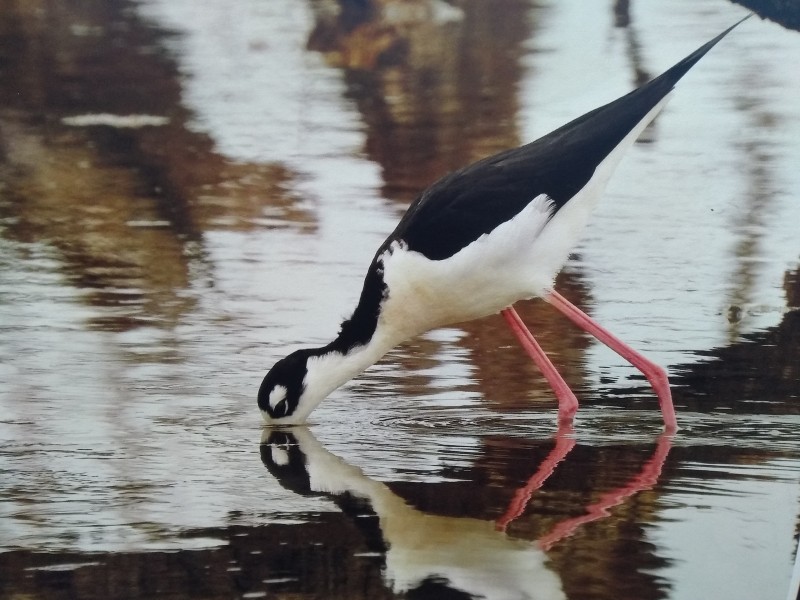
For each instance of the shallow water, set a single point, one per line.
(175, 185)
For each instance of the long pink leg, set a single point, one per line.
(567, 402)
(655, 374)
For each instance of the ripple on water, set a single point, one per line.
(592, 426)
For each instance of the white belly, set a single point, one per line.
(485, 277)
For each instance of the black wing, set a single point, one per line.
(462, 206)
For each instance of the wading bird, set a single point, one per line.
(478, 240)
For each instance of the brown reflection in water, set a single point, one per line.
(757, 374)
(126, 207)
(343, 554)
(623, 20)
(588, 507)
(54, 196)
(437, 532)
(435, 94)
(758, 197)
(315, 560)
(505, 375)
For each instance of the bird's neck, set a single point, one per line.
(333, 365)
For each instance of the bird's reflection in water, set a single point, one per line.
(433, 556)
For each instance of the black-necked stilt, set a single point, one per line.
(475, 242)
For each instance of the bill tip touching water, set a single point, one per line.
(475, 242)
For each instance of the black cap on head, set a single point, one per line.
(282, 387)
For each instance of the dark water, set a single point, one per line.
(190, 190)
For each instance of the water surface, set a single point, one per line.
(187, 194)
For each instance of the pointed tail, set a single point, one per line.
(672, 75)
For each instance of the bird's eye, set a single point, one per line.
(281, 409)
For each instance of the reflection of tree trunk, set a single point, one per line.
(791, 285)
(757, 374)
(623, 20)
(127, 208)
(622, 13)
(435, 94)
(758, 201)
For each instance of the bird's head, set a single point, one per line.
(282, 397)
(298, 383)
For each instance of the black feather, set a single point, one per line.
(462, 206)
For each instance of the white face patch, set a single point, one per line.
(277, 395)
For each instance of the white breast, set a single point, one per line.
(481, 279)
